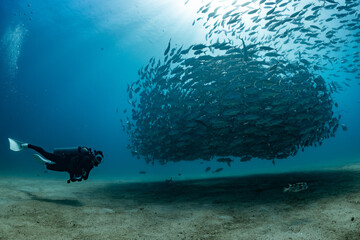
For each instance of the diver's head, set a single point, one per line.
(98, 158)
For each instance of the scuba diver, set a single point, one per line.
(77, 161)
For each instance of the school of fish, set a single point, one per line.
(245, 92)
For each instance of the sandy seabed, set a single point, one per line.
(252, 207)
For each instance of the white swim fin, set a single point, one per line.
(42, 160)
(17, 145)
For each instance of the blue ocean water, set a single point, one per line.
(64, 70)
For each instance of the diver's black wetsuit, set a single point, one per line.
(78, 164)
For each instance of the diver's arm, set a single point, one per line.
(80, 168)
(87, 165)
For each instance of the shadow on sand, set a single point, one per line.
(66, 202)
(255, 189)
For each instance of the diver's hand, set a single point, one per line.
(75, 178)
(83, 172)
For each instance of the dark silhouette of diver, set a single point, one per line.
(78, 162)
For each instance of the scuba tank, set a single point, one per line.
(71, 151)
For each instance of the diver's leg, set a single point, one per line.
(47, 155)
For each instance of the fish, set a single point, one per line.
(225, 96)
(245, 159)
(274, 67)
(253, 11)
(218, 170)
(142, 172)
(311, 17)
(225, 160)
(272, 54)
(266, 48)
(207, 169)
(202, 123)
(198, 47)
(271, 11)
(167, 49)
